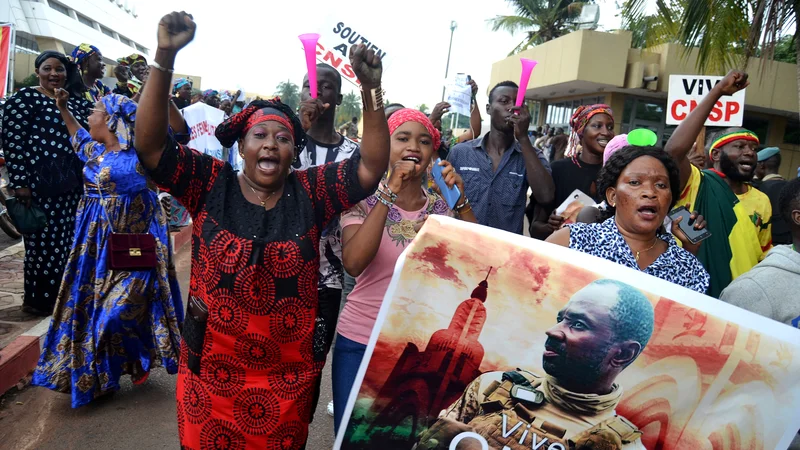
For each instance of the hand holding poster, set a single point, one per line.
(333, 48)
(491, 340)
(686, 92)
(459, 94)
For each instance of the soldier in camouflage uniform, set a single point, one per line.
(599, 332)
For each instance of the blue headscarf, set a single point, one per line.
(82, 52)
(181, 82)
(122, 116)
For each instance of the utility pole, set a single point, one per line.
(453, 26)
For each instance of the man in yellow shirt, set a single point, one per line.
(738, 215)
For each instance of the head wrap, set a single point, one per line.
(412, 115)
(237, 125)
(210, 93)
(181, 82)
(727, 138)
(82, 52)
(619, 141)
(225, 96)
(74, 83)
(578, 123)
(122, 115)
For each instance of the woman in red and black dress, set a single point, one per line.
(249, 364)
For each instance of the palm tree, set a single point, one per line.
(350, 107)
(423, 108)
(289, 94)
(541, 20)
(727, 32)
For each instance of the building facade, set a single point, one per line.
(587, 67)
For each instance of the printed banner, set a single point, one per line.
(203, 121)
(5, 57)
(488, 340)
(686, 92)
(334, 45)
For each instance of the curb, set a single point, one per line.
(19, 358)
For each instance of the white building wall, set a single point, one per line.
(42, 21)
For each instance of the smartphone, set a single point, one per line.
(469, 78)
(687, 226)
(450, 194)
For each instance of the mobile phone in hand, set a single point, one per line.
(687, 225)
(450, 194)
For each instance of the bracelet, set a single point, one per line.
(389, 204)
(388, 192)
(376, 98)
(466, 202)
(461, 213)
(158, 66)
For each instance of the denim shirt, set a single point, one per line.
(497, 197)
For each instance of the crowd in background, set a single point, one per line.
(312, 217)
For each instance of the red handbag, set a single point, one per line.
(131, 251)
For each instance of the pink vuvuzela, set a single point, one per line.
(527, 68)
(309, 41)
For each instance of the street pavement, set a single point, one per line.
(135, 418)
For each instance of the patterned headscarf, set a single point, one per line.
(122, 115)
(82, 52)
(210, 93)
(181, 82)
(578, 123)
(412, 115)
(237, 125)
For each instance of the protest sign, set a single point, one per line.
(334, 45)
(686, 92)
(459, 94)
(487, 339)
(203, 121)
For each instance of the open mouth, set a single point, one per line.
(268, 164)
(414, 159)
(746, 167)
(602, 142)
(648, 212)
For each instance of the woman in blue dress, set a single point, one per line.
(108, 323)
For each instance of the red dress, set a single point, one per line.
(256, 270)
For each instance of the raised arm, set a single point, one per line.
(61, 101)
(375, 142)
(175, 30)
(360, 241)
(680, 143)
(474, 117)
(536, 167)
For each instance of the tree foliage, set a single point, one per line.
(350, 107)
(289, 93)
(540, 20)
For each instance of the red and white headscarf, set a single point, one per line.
(412, 115)
(578, 123)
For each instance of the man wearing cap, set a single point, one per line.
(738, 214)
(769, 162)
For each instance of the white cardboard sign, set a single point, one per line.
(686, 92)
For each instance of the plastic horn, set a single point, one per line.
(527, 68)
(309, 41)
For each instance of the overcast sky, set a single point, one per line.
(254, 44)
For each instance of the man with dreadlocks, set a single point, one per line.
(592, 127)
(251, 350)
(738, 215)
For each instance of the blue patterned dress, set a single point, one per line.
(110, 323)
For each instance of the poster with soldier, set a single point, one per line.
(492, 340)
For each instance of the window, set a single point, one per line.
(141, 49)
(125, 41)
(85, 20)
(558, 114)
(59, 7)
(792, 133)
(758, 125)
(107, 32)
(26, 41)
